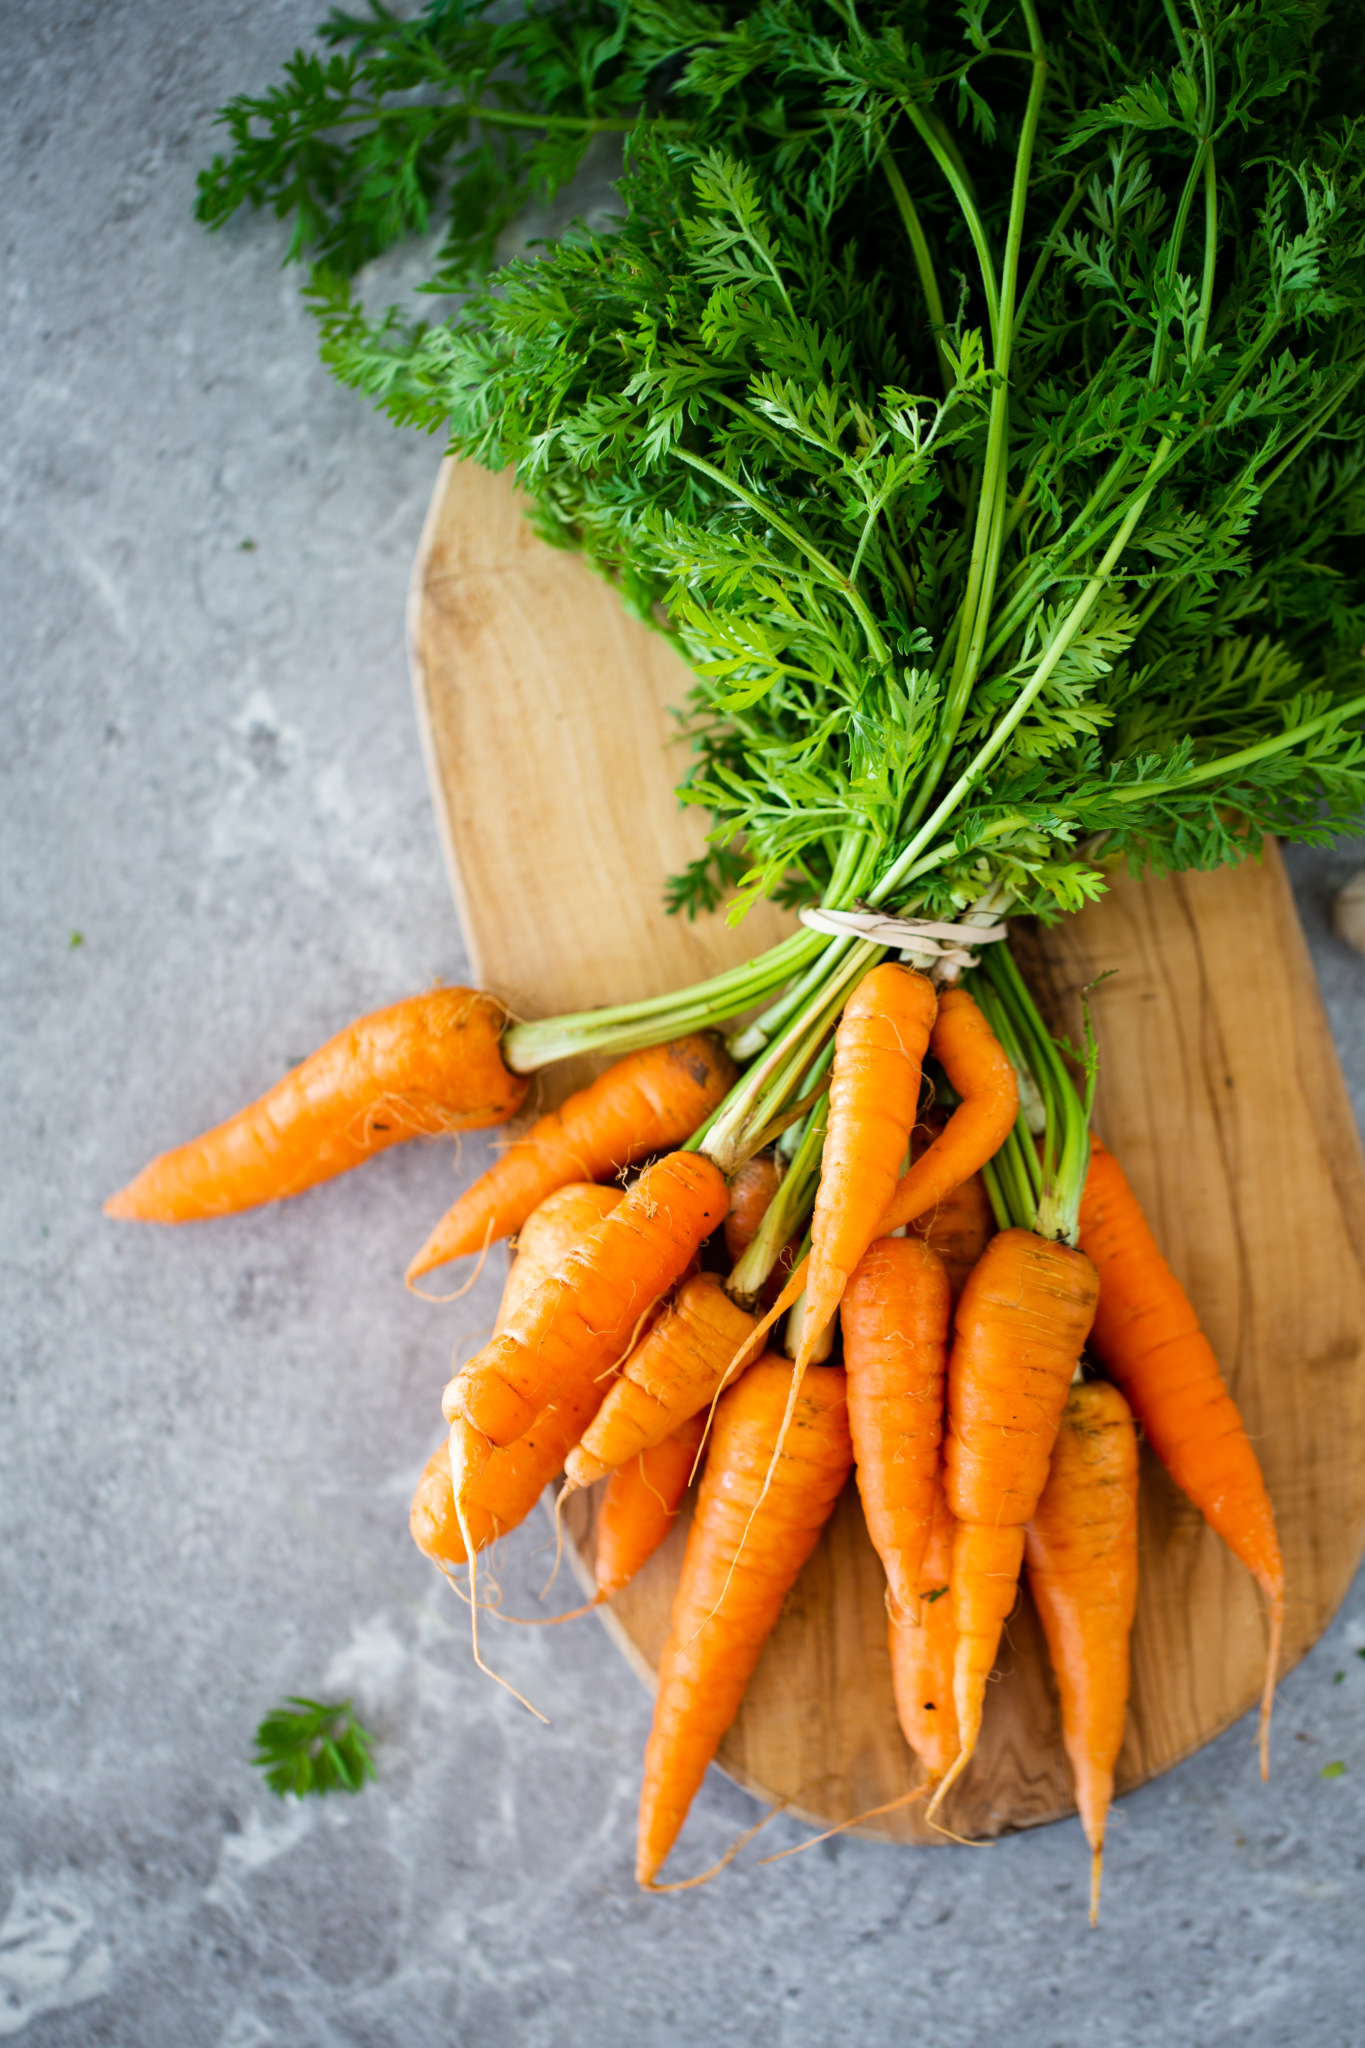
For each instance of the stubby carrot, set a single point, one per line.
(425, 1066)
(505, 1488)
(873, 1096)
(671, 1375)
(975, 1062)
(581, 1321)
(646, 1103)
(1148, 1337)
(961, 1224)
(724, 1611)
(1082, 1554)
(894, 1317)
(923, 1653)
(640, 1504)
(547, 1234)
(1024, 1315)
(751, 1190)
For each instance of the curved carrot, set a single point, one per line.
(427, 1065)
(507, 1485)
(722, 1616)
(873, 1096)
(1149, 1338)
(1024, 1315)
(645, 1103)
(923, 1653)
(582, 1320)
(975, 1062)
(1082, 1553)
(894, 1317)
(670, 1375)
(640, 1504)
(550, 1231)
(961, 1224)
(751, 1190)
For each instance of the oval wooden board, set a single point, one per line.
(543, 709)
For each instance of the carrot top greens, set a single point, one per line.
(980, 394)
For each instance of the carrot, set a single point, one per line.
(1149, 1338)
(547, 1234)
(923, 1653)
(671, 1374)
(751, 1190)
(975, 1062)
(895, 1323)
(1082, 1554)
(723, 1615)
(427, 1065)
(514, 1478)
(582, 1320)
(1024, 1315)
(507, 1485)
(962, 1223)
(873, 1097)
(646, 1103)
(640, 1505)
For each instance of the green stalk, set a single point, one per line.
(787, 1211)
(988, 541)
(924, 262)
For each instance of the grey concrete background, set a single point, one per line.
(217, 848)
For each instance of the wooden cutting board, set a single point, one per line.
(544, 713)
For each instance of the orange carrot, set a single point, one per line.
(1149, 1338)
(427, 1065)
(972, 1057)
(1020, 1325)
(1082, 1553)
(582, 1320)
(922, 1654)
(645, 1103)
(873, 1097)
(975, 1063)
(895, 1323)
(514, 1478)
(723, 1615)
(751, 1190)
(961, 1224)
(671, 1375)
(640, 1505)
(507, 1485)
(547, 1234)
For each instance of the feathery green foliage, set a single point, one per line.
(980, 394)
(305, 1746)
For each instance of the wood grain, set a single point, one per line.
(544, 713)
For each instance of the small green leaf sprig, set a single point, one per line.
(308, 1747)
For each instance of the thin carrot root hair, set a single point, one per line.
(441, 1300)
(689, 1884)
(1096, 1879)
(473, 1556)
(1272, 1672)
(520, 1620)
(559, 1542)
(871, 1813)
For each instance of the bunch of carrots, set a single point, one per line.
(919, 1281)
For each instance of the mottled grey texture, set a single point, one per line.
(209, 1439)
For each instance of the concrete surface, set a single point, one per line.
(216, 849)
